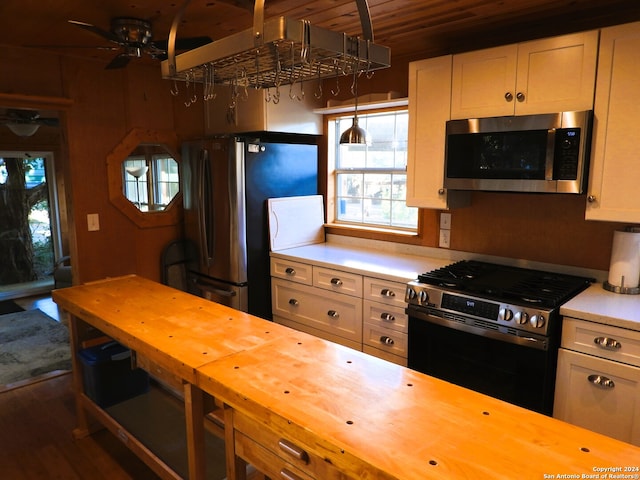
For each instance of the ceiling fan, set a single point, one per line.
(25, 123)
(134, 37)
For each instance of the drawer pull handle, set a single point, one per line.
(336, 281)
(289, 475)
(333, 314)
(600, 381)
(387, 317)
(385, 292)
(386, 340)
(607, 343)
(290, 271)
(294, 302)
(292, 449)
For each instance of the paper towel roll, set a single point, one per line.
(624, 270)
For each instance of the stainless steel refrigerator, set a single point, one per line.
(225, 183)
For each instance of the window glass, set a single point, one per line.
(371, 179)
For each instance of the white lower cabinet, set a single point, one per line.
(363, 313)
(598, 379)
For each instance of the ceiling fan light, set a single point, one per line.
(23, 129)
(355, 134)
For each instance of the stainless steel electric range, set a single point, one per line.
(491, 328)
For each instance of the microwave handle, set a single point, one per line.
(551, 147)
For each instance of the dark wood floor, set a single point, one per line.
(36, 422)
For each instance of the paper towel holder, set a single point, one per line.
(621, 289)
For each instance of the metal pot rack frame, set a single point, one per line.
(280, 51)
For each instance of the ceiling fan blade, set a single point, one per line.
(119, 61)
(97, 30)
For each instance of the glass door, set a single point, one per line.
(30, 238)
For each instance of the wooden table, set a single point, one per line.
(299, 407)
(171, 333)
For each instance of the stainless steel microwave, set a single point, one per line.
(547, 153)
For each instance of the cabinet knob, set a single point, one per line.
(333, 314)
(607, 343)
(601, 381)
(387, 317)
(294, 302)
(336, 281)
(385, 292)
(508, 96)
(441, 191)
(591, 198)
(290, 271)
(287, 474)
(386, 340)
(520, 96)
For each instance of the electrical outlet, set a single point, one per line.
(445, 221)
(445, 238)
(93, 222)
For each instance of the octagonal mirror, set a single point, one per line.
(144, 180)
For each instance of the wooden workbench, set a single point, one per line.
(301, 407)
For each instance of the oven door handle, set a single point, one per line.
(525, 341)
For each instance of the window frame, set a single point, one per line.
(332, 177)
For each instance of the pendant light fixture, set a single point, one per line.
(355, 134)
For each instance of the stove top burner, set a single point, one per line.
(507, 284)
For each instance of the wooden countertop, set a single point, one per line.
(177, 330)
(374, 419)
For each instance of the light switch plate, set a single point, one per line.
(445, 221)
(445, 238)
(93, 222)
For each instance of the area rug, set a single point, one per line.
(31, 344)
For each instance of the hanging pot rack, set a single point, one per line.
(279, 51)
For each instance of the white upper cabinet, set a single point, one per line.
(429, 110)
(614, 193)
(542, 76)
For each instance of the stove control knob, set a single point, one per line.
(410, 294)
(424, 297)
(505, 314)
(537, 321)
(521, 318)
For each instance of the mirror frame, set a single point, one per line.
(171, 214)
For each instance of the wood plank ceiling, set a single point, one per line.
(411, 28)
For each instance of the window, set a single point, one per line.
(155, 176)
(371, 180)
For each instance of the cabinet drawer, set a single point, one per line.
(604, 341)
(331, 312)
(271, 452)
(385, 339)
(584, 397)
(385, 316)
(337, 281)
(383, 291)
(294, 271)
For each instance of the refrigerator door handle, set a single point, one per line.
(208, 287)
(203, 207)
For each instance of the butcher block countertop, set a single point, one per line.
(366, 417)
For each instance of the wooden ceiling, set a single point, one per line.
(411, 28)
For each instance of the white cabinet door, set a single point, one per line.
(614, 174)
(543, 76)
(480, 81)
(598, 394)
(429, 109)
(556, 74)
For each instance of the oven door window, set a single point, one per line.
(520, 375)
(518, 155)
